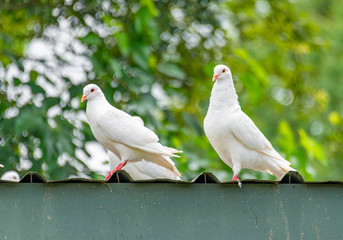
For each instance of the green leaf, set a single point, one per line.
(313, 149)
(75, 90)
(256, 69)
(98, 65)
(140, 59)
(154, 32)
(65, 145)
(115, 67)
(36, 88)
(171, 70)
(191, 122)
(151, 6)
(33, 76)
(91, 39)
(287, 140)
(29, 119)
(123, 43)
(16, 81)
(50, 101)
(208, 69)
(139, 22)
(253, 87)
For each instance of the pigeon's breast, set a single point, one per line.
(217, 127)
(220, 135)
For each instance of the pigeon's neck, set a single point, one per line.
(223, 94)
(95, 107)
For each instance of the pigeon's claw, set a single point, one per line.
(235, 178)
(120, 166)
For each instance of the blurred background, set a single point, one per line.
(155, 59)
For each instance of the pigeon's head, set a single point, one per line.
(221, 72)
(91, 91)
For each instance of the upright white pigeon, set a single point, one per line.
(11, 176)
(124, 135)
(234, 136)
(143, 170)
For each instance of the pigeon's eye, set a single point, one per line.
(223, 70)
(92, 90)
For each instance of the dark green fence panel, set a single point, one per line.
(75, 210)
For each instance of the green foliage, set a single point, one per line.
(283, 63)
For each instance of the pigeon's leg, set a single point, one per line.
(236, 170)
(120, 166)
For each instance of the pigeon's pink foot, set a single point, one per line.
(120, 166)
(235, 178)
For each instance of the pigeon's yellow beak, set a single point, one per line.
(215, 76)
(84, 97)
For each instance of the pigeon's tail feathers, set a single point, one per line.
(146, 170)
(157, 148)
(278, 169)
(173, 150)
(177, 176)
(277, 165)
(174, 169)
(166, 162)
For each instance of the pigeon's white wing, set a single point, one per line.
(247, 133)
(123, 128)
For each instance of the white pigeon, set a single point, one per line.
(234, 136)
(1, 165)
(143, 170)
(123, 134)
(11, 176)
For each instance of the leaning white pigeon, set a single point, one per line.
(123, 134)
(234, 136)
(143, 170)
(11, 176)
